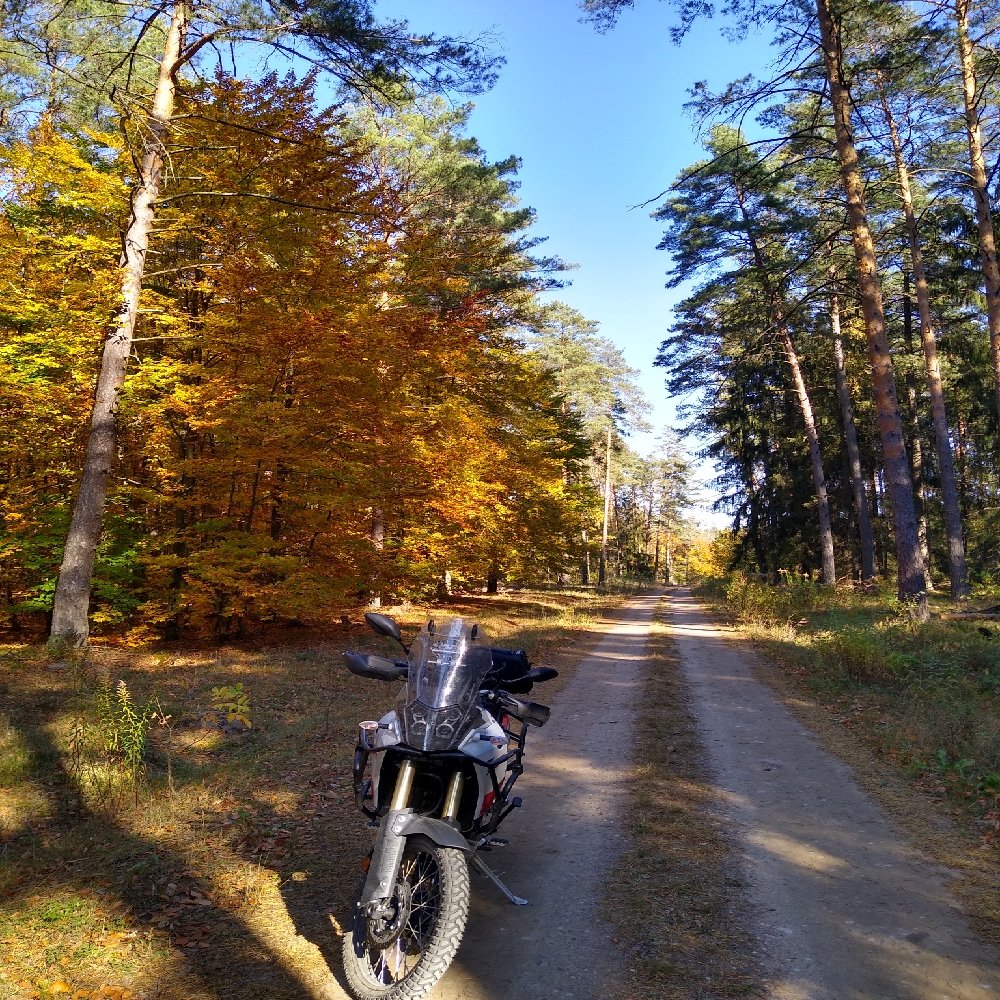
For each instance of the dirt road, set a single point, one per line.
(845, 909)
(564, 840)
(842, 908)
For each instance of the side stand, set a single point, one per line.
(484, 869)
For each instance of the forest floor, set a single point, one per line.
(229, 867)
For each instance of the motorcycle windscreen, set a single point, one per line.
(448, 662)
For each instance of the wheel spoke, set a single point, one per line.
(397, 948)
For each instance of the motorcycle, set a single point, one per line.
(434, 777)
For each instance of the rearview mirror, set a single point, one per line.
(386, 626)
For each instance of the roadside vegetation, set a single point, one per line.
(915, 706)
(178, 821)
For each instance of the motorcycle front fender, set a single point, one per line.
(396, 826)
(443, 834)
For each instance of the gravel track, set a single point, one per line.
(565, 839)
(845, 908)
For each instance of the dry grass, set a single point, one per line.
(236, 882)
(676, 893)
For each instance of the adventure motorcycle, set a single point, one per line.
(435, 777)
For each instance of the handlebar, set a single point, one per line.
(510, 672)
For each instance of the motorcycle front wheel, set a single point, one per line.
(401, 952)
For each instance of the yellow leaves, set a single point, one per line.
(44, 989)
(49, 168)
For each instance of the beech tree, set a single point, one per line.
(342, 39)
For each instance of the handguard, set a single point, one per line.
(377, 667)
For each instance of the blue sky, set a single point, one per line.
(598, 122)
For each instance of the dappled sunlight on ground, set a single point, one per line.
(795, 852)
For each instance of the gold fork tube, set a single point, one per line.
(454, 796)
(404, 785)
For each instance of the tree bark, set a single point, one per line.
(980, 188)
(865, 534)
(916, 445)
(829, 571)
(909, 563)
(71, 605)
(957, 570)
(602, 571)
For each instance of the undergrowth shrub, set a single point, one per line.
(107, 745)
(761, 603)
(927, 691)
(862, 655)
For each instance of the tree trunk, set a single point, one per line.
(71, 605)
(829, 569)
(865, 533)
(963, 466)
(585, 562)
(378, 544)
(910, 569)
(980, 188)
(916, 445)
(957, 570)
(602, 571)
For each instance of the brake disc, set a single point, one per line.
(388, 917)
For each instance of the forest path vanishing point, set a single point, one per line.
(844, 909)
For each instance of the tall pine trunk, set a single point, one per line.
(865, 534)
(909, 562)
(602, 570)
(957, 571)
(71, 605)
(916, 450)
(980, 187)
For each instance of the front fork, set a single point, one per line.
(399, 822)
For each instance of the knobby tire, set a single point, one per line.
(437, 881)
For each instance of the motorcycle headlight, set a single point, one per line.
(432, 729)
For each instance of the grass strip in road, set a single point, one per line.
(676, 894)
